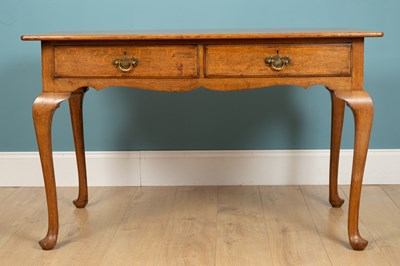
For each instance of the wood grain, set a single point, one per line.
(331, 224)
(98, 239)
(107, 209)
(5, 193)
(32, 219)
(337, 116)
(190, 238)
(306, 60)
(230, 34)
(357, 61)
(393, 191)
(142, 232)
(153, 61)
(242, 237)
(181, 85)
(291, 231)
(25, 202)
(183, 61)
(43, 110)
(382, 218)
(76, 113)
(362, 107)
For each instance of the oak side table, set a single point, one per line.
(218, 60)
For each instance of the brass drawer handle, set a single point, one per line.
(125, 64)
(277, 62)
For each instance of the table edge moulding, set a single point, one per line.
(223, 60)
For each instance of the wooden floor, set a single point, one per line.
(241, 225)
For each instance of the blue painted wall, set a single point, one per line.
(126, 119)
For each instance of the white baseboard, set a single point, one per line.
(150, 168)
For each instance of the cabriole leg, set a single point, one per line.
(75, 107)
(43, 110)
(361, 104)
(336, 135)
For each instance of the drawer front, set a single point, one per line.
(152, 61)
(305, 60)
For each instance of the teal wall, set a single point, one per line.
(129, 119)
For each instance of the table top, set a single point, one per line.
(203, 34)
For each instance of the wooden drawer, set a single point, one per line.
(164, 61)
(306, 60)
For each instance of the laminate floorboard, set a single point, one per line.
(331, 224)
(242, 237)
(224, 225)
(293, 237)
(381, 217)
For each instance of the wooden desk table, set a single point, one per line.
(182, 61)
